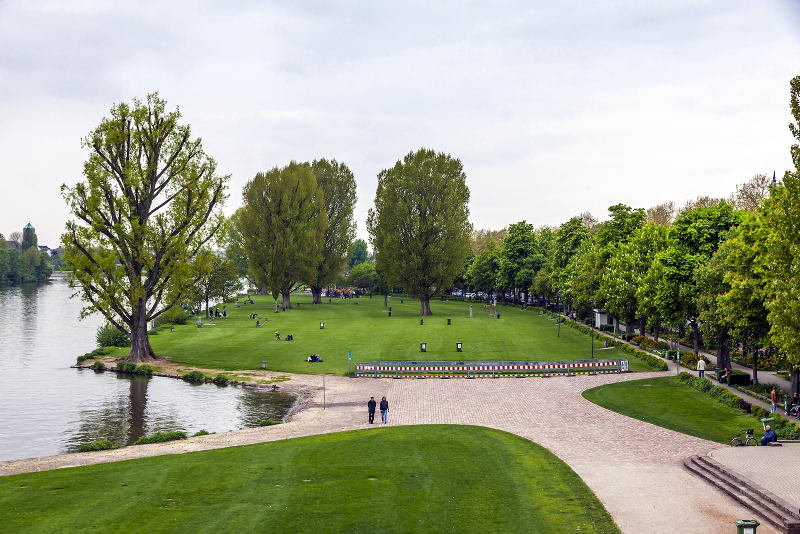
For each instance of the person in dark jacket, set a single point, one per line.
(384, 410)
(371, 409)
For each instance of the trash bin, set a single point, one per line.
(768, 421)
(746, 526)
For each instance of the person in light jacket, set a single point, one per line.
(701, 367)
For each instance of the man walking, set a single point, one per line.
(384, 410)
(701, 367)
(773, 396)
(371, 410)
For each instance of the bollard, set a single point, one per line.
(390, 308)
(390, 313)
(420, 322)
(263, 365)
(458, 347)
(448, 322)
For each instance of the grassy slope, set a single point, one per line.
(427, 479)
(668, 403)
(364, 327)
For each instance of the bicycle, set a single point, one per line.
(748, 440)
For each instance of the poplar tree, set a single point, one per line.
(283, 226)
(420, 227)
(149, 201)
(339, 190)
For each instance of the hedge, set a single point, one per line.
(654, 363)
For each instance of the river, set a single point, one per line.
(47, 407)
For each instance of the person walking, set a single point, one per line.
(371, 410)
(701, 367)
(384, 410)
(773, 396)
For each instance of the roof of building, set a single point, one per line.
(28, 226)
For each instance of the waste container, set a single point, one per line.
(768, 421)
(746, 526)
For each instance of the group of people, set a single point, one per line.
(384, 407)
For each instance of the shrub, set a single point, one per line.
(99, 366)
(158, 437)
(651, 361)
(268, 422)
(739, 378)
(126, 367)
(724, 396)
(102, 445)
(109, 335)
(175, 315)
(201, 432)
(744, 405)
(220, 379)
(638, 339)
(194, 375)
(606, 327)
(88, 356)
(143, 369)
(765, 388)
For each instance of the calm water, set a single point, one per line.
(48, 408)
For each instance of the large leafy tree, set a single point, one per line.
(339, 190)
(234, 247)
(149, 202)
(783, 216)
(694, 237)
(358, 253)
(420, 226)
(566, 243)
(217, 277)
(485, 269)
(283, 226)
(29, 238)
(518, 263)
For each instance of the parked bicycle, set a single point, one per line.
(748, 440)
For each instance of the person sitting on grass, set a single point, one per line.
(258, 325)
(769, 435)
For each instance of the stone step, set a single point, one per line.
(766, 505)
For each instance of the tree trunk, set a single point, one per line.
(724, 357)
(795, 374)
(141, 352)
(206, 307)
(696, 330)
(286, 303)
(385, 300)
(426, 305)
(316, 295)
(642, 326)
(755, 366)
(629, 326)
(656, 331)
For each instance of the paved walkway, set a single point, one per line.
(774, 468)
(633, 467)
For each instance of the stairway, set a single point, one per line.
(768, 506)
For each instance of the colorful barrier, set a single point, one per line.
(488, 369)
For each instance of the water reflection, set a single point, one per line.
(48, 408)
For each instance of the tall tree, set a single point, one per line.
(3, 243)
(420, 224)
(29, 238)
(15, 240)
(339, 190)
(750, 194)
(783, 217)
(217, 278)
(4, 265)
(234, 247)
(519, 248)
(32, 259)
(149, 202)
(358, 253)
(661, 214)
(283, 225)
(485, 269)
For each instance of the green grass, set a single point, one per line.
(364, 327)
(403, 479)
(669, 403)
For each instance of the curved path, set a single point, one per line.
(633, 467)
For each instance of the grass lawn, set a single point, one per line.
(669, 403)
(402, 479)
(364, 327)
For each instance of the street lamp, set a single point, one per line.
(594, 320)
(559, 316)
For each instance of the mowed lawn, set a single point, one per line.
(363, 327)
(669, 403)
(404, 479)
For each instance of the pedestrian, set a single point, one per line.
(701, 367)
(384, 410)
(371, 410)
(773, 396)
(225, 311)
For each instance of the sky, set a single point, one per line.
(553, 108)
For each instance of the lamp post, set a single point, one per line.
(594, 319)
(559, 316)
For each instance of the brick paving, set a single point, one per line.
(774, 468)
(633, 467)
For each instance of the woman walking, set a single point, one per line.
(384, 410)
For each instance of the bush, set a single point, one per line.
(102, 445)
(175, 315)
(654, 363)
(158, 437)
(194, 375)
(638, 339)
(100, 366)
(126, 367)
(201, 432)
(606, 327)
(143, 370)
(85, 357)
(109, 336)
(765, 388)
(724, 396)
(268, 422)
(739, 378)
(221, 379)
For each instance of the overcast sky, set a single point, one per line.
(553, 108)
